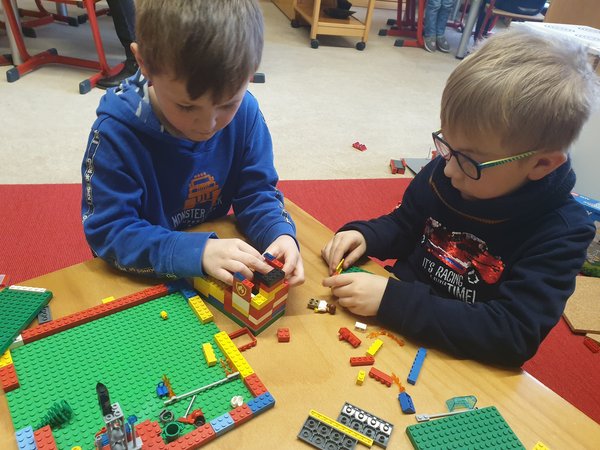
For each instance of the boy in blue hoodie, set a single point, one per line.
(183, 141)
(488, 238)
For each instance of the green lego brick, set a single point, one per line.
(129, 352)
(18, 308)
(483, 429)
(353, 269)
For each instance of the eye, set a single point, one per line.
(185, 108)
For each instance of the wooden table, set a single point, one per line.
(313, 372)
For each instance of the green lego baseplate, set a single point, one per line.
(353, 269)
(129, 352)
(480, 429)
(18, 307)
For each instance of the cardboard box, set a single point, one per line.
(591, 266)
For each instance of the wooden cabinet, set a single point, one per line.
(312, 12)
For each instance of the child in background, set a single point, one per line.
(180, 143)
(488, 238)
(436, 17)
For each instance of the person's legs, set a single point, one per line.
(123, 15)
(430, 23)
(442, 20)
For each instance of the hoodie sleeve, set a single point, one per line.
(507, 330)
(258, 204)
(111, 203)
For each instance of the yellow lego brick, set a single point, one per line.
(217, 288)
(258, 301)
(342, 428)
(6, 359)
(200, 309)
(233, 354)
(375, 346)
(540, 446)
(201, 285)
(209, 354)
(108, 299)
(360, 377)
(271, 295)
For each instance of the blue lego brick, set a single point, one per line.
(188, 293)
(366, 423)
(325, 437)
(261, 403)
(178, 285)
(222, 423)
(406, 403)
(416, 367)
(25, 439)
(467, 402)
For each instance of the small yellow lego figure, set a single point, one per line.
(164, 315)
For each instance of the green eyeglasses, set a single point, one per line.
(470, 167)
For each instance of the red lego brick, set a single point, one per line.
(283, 334)
(93, 313)
(380, 376)
(358, 146)
(591, 344)
(344, 334)
(44, 440)
(254, 385)
(241, 414)
(8, 378)
(241, 332)
(149, 432)
(272, 261)
(362, 360)
(194, 439)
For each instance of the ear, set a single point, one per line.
(546, 162)
(135, 49)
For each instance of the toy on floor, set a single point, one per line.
(321, 306)
(357, 145)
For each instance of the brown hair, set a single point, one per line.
(213, 45)
(535, 92)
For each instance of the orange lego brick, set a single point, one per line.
(380, 376)
(254, 385)
(8, 378)
(241, 414)
(44, 440)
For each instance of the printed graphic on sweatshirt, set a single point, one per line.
(203, 196)
(459, 261)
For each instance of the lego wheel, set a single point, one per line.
(360, 46)
(295, 23)
(12, 75)
(314, 43)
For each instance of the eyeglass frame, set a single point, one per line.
(478, 166)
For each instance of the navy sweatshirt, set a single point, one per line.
(141, 185)
(485, 280)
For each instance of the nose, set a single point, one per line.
(206, 122)
(451, 169)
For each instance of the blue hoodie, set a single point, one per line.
(141, 185)
(483, 279)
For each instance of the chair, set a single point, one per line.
(521, 13)
(25, 63)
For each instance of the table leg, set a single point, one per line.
(468, 29)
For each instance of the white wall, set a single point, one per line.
(585, 154)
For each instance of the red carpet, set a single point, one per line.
(41, 232)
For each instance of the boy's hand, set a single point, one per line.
(350, 245)
(286, 249)
(361, 293)
(223, 257)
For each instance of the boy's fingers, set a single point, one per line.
(337, 281)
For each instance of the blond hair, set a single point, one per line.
(534, 92)
(213, 45)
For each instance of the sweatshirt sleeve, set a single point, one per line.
(394, 235)
(115, 230)
(258, 204)
(507, 330)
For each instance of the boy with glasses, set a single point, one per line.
(488, 239)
